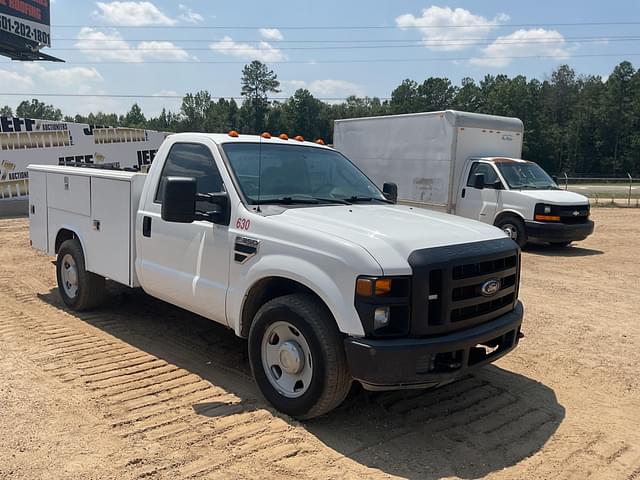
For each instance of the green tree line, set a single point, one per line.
(579, 124)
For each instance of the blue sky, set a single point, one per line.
(477, 39)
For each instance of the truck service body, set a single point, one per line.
(291, 246)
(435, 158)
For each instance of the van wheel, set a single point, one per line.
(79, 289)
(297, 356)
(514, 228)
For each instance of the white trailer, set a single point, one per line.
(25, 141)
(436, 158)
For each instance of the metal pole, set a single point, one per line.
(630, 184)
(566, 181)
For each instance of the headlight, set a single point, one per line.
(545, 213)
(383, 305)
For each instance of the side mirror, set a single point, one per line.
(390, 191)
(478, 181)
(179, 200)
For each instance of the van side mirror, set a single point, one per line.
(478, 181)
(179, 200)
(390, 191)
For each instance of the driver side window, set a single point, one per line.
(191, 160)
(490, 175)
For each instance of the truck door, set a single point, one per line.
(185, 264)
(475, 203)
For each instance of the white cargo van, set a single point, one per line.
(467, 164)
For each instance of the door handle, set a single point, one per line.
(464, 191)
(146, 226)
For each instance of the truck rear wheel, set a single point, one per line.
(514, 228)
(79, 289)
(297, 356)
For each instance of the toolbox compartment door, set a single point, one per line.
(69, 193)
(109, 236)
(38, 221)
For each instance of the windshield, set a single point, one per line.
(526, 176)
(288, 174)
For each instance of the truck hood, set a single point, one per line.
(390, 232)
(555, 197)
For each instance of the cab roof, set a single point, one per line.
(222, 138)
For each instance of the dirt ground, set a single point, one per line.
(140, 389)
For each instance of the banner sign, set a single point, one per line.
(26, 19)
(25, 141)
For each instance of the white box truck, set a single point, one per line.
(467, 164)
(287, 243)
(24, 141)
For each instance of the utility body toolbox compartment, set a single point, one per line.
(98, 206)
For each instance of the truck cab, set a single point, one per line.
(519, 197)
(291, 246)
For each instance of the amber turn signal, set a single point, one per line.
(368, 287)
(547, 218)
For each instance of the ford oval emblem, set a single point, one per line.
(490, 287)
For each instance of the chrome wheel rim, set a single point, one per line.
(286, 359)
(69, 274)
(511, 231)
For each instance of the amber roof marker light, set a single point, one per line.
(283, 136)
(266, 135)
(299, 138)
(320, 141)
(234, 134)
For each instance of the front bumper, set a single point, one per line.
(558, 232)
(429, 362)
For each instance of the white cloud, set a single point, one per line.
(444, 28)
(271, 34)
(111, 46)
(13, 81)
(523, 43)
(189, 16)
(324, 88)
(63, 77)
(264, 52)
(133, 14)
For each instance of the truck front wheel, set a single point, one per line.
(514, 228)
(79, 289)
(297, 356)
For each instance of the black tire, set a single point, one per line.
(91, 287)
(330, 381)
(560, 244)
(516, 226)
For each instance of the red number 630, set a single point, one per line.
(243, 224)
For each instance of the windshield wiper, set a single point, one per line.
(362, 198)
(337, 201)
(288, 201)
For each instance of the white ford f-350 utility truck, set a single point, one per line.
(290, 245)
(467, 164)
